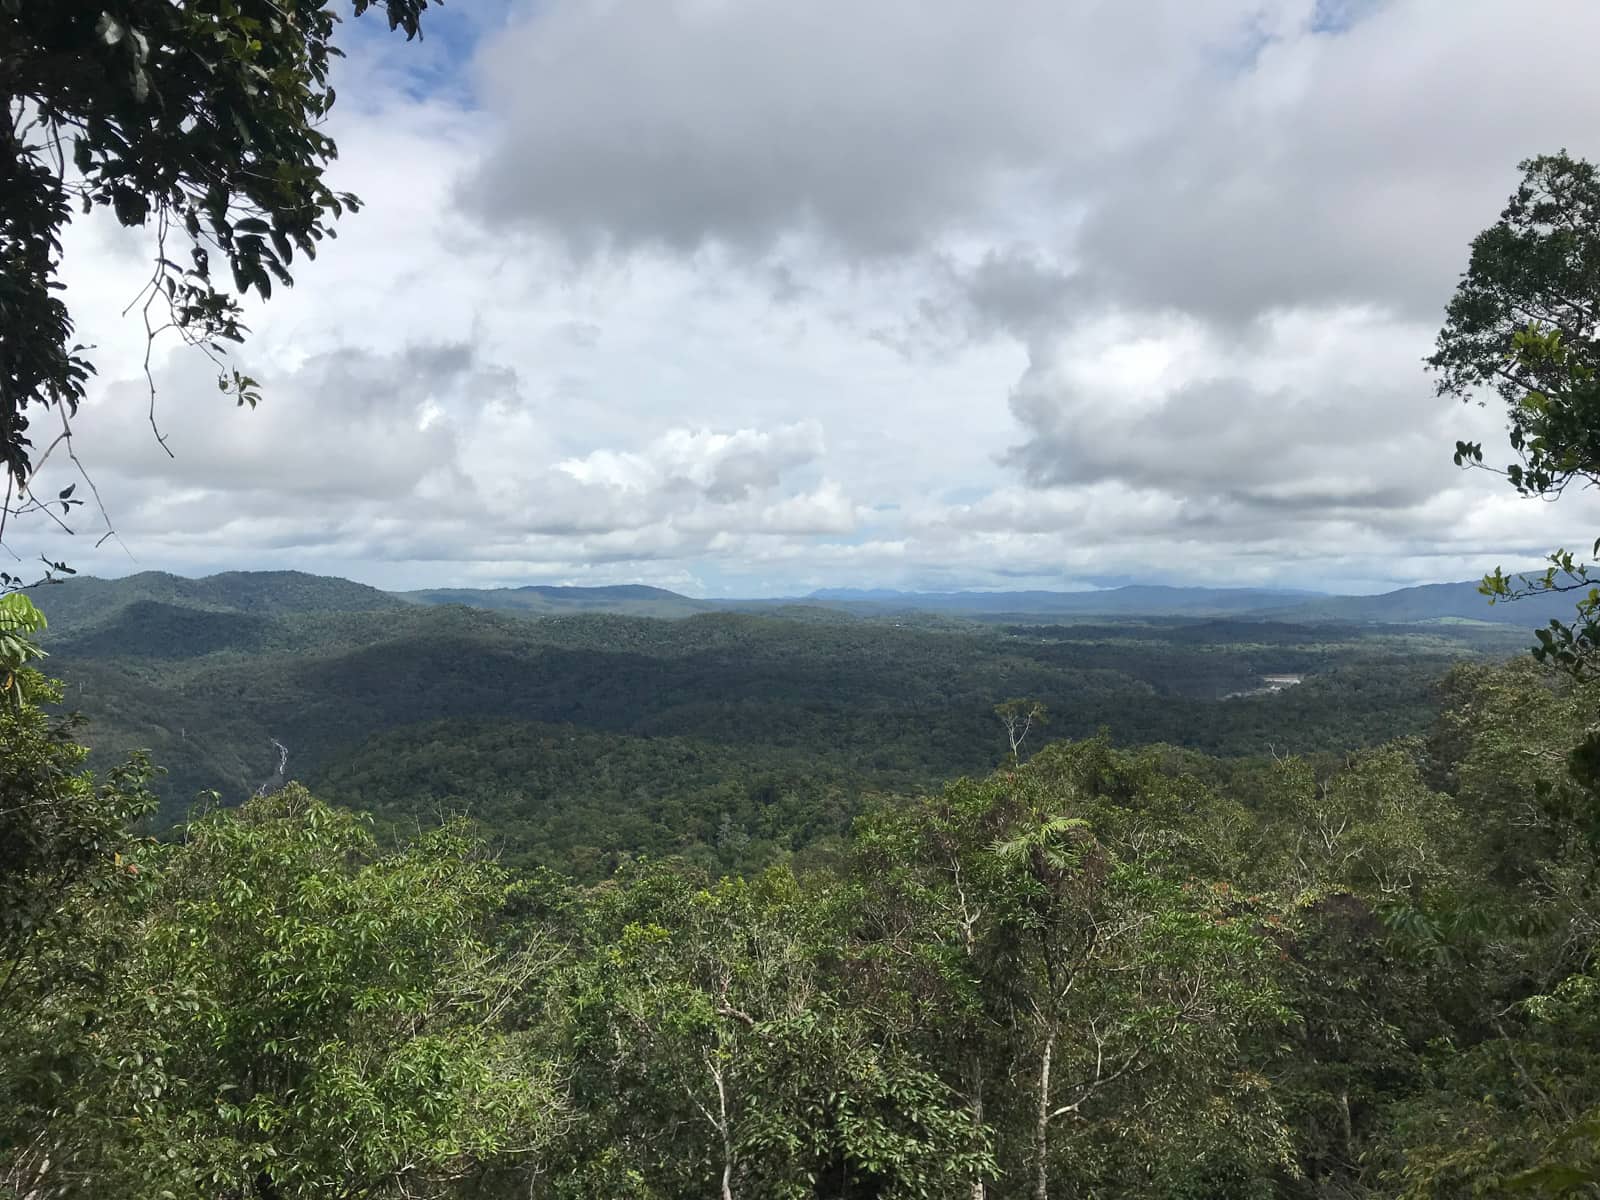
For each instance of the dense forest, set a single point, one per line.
(1093, 971)
(309, 890)
(576, 739)
(779, 904)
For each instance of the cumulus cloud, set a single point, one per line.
(1282, 416)
(875, 127)
(1227, 157)
(378, 459)
(346, 423)
(721, 467)
(1346, 165)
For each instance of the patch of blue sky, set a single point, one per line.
(1337, 16)
(1328, 18)
(438, 64)
(965, 495)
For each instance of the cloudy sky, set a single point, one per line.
(753, 296)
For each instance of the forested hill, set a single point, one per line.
(1405, 606)
(1432, 602)
(1133, 600)
(756, 862)
(78, 603)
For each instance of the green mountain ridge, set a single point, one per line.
(1431, 602)
(77, 603)
(1130, 600)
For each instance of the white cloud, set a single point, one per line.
(874, 127)
(761, 296)
(1347, 168)
(719, 466)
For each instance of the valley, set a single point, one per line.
(581, 737)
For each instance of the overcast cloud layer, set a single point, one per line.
(749, 296)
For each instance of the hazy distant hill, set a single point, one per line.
(1406, 606)
(1430, 602)
(1138, 600)
(628, 600)
(144, 606)
(78, 603)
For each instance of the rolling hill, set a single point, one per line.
(1429, 602)
(1136, 600)
(81, 602)
(632, 600)
(208, 674)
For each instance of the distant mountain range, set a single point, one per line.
(1132, 600)
(81, 603)
(1426, 603)
(1431, 602)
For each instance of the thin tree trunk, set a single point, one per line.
(1349, 1130)
(1041, 1127)
(978, 1191)
(727, 1136)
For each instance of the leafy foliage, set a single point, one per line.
(200, 121)
(719, 1040)
(62, 835)
(1525, 321)
(19, 621)
(289, 1015)
(1101, 971)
